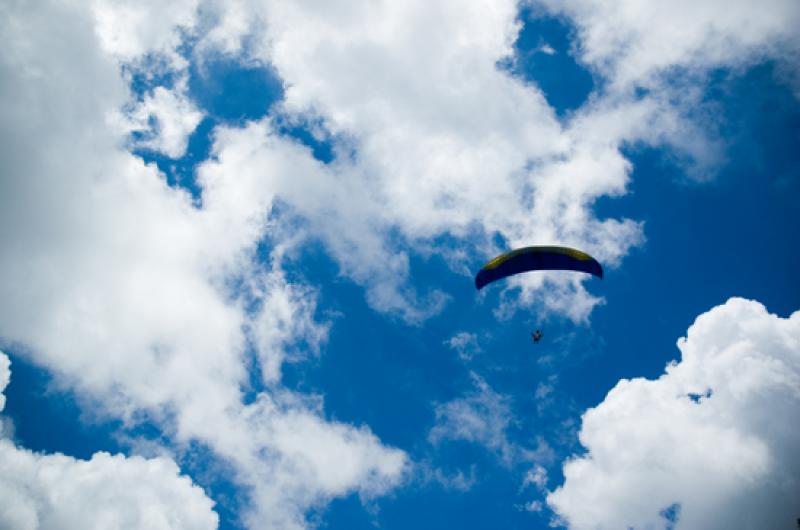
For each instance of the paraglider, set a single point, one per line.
(537, 336)
(535, 259)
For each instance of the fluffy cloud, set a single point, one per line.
(54, 492)
(711, 442)
(49, 492)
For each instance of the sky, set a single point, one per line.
(239, 242)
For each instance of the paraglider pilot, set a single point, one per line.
(536, 336)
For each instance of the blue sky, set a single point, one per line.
(240, 245)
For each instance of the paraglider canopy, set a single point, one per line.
(535, 259)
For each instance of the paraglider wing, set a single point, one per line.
(536, 259)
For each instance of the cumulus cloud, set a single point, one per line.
(711, 443)
(55, 492)
(50, 492)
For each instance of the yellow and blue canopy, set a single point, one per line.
(535, 259)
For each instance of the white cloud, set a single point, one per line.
(165, 118)
(57, 492)
(713, 436)
(546, 49)
(131, 29)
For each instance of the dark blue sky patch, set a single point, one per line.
(233, 93)
(370, 369)
(671, 514)
(698, 398)
(50, 420)
(254, 385)
(321, 145)
(490, 503)
(376, 370)
(544, 57)
(180, 173)
(760, 122)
